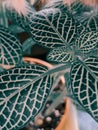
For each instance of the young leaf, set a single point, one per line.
(60, 55)
(87, 41)
(84, 80)
(10, 48)
(53, 28)
(23, 93)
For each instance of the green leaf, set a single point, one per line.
(21, 20)
(84, 80)
(80, 28)
(77, 8)
(55, 4)
(10, 48)
(53, 28)
(89, 20)
(92, 23)
(87, 41)
(23, 93)
(60, 55)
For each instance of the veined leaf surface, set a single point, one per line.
(89, 20)
(78, 7)
(10, 48)
(87, 41)
(53, 28)
(60, 55)
(84, 79)
(21, 20)
(23, 93)
(54, 4)
(80, 28)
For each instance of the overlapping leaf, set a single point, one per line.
(10, 48)
(78, 7)
(60, 55)
(89, 20)
(87, 41)
(84, 78)
(80, 28)
(53, 28)
(92, 23)
(54, 4)
(23, 93)
(21, 20)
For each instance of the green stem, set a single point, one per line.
(3, 17)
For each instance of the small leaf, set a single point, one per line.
(80, 28)
(84, 79)
(92, 23)
(89, 20)
(23, 93)
(60, 55)
(10, 48)
(53, 28)
(87, 41)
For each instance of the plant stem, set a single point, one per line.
(3, 17)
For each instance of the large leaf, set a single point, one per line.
(87, 41)
(84, 79)
(23, 93)
(60, 55)
(10, 48)
(53, 28)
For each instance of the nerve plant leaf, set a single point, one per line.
(84, 80)
(10, 48)
(87, 41)
(53, 28)
(23, 93)
(92, 23)
(21, 20)
(89, 20)
(78, 7)
(60, 55)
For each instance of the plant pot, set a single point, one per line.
(69, 119)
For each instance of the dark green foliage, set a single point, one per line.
(71, 35)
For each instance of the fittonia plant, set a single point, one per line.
(73, 45)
